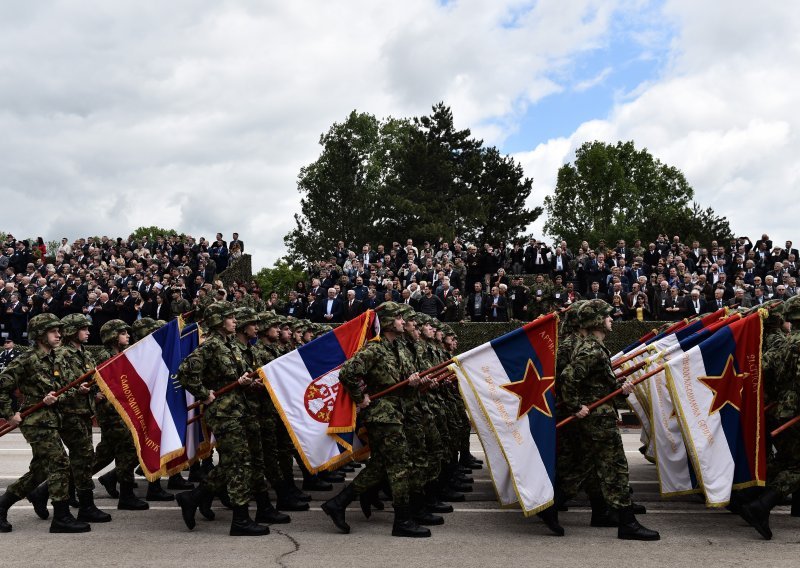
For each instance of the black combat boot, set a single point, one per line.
(638, 509)
(38, 498)
(314, 482)
(369, 499)
(243, 525)
(177, 481)
(335, 508)
(435, 505)
(128, 501)
(550, 518)
(420, 514)
(88, 512)
(6, 501)
(224, 498)
(602, 516)
(795, 504)
(630, 529)
(404, 525)
(287, 500)
(196, 473)
(266, 513)
(469, 461)
(204, 506)
(156, 493)
(189, 501)
(109, 481)
(756, 512)
(64, 522)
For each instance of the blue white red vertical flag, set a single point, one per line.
(139, 382)
(507, 385)
(304, 385)
(718, 397)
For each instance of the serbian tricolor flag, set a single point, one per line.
(198, 440)
(507, 386)
(304, 385)
(718, 397)
(139, 382)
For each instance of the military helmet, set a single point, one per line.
(142, 328)
(267, 320)
(447, 330)
(389, 311)
(245, 316)
(569, 319)
(593, 313)
(73, 323)
(111, 330)
(774, 317)
(216, 313)
(791, 309)
(41, 324)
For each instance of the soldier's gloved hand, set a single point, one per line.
(211, 398)
(583, 412)
(84, 388)
(50, 398)
(364, 403)
(99, 397)
(245, 380)
(414, 379)
(15, 420)
(627, 387)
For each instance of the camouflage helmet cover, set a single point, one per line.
(111, 330)
(73, 323)
(39, 325)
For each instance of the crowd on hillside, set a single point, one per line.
(110, 278)
(162, 278)
(665, 279)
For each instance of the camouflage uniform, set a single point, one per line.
(217, 362)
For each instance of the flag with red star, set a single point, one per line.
(507, 386)
(718, 397)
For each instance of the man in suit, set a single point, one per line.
(235, 240)
(352, 307)
(497, 306)
(697, 304)
(476, 304)
(455, 308)
(595, 293)
(332, 308)
(314, 309)
(295, 307)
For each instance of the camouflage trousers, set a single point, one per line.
(76, 432)
(116, 444)
(783, 470)
(235, 446)
(49, 462)
(390, 459)
(595, 455)
(268, 430)
(424, 444)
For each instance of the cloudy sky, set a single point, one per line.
(198, 114)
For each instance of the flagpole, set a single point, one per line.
(617, 392)
(631, 370)
(785, 426)
(622, 360)
(227, 388)
(39, 405)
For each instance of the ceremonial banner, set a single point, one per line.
(199, 441)
(139, 383)
(718, 397)
(304, 385)
(511, 401)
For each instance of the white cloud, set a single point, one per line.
(587, 84)
(724, 111)
(199, 114)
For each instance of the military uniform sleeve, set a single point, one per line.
(354, 369)
(9, 381)
(190, 374)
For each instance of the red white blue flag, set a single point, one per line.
(507, 386)
(304, 385)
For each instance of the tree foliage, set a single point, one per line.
(382, 180)
(152, 233)
(281, 278)
(618, 192)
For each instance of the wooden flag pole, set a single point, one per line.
(608, 397)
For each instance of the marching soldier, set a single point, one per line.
(116, 442)
(589, 377)
(215, 363)
(781, 367)
(38, 374)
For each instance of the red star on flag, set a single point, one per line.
(531, 391)
(727, 387)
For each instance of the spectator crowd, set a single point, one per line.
(133, 278)
(664, 280)
(111, 278)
